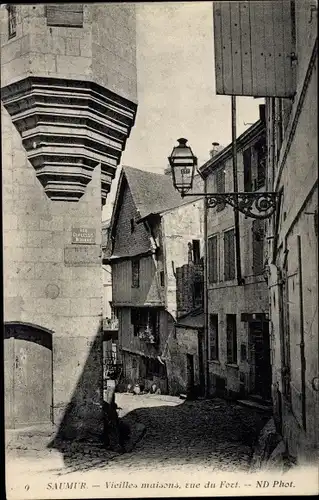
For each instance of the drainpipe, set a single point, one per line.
(302, 338)
(235, 183)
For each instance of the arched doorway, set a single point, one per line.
(27, 374)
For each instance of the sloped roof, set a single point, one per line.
(152, 193)
(191, 320)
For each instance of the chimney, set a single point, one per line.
(262, 112)
(215, 150)
(168, 170)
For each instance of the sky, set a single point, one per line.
(176, 88)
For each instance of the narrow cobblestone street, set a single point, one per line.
(178, 434)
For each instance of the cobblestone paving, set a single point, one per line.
(208, 433)
(178, 435)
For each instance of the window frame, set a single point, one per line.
(228, 275)
(214, 356)
(220, 186)
(12, 21)
(65, 8)
(135, 273)
(211, 273)
(196, 251)
(231, 343)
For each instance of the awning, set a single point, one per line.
(191, 321)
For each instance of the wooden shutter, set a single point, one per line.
(220, 186)
(231, 334)
(229, 255)
(214, 336)
(65, 14)
(212, 260)
(254, 46)
(258, 229)
(12, 20)
(247, 170)
(135, 273)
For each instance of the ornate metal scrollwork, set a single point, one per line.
(254, 205)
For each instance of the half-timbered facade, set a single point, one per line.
(149, 235)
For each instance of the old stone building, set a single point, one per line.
(283, 69)
(292, 250)
(68, 76)
(238, 326)
(151, 229)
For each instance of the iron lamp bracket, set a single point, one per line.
(254, 205)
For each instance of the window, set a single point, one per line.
(212, 260)
(135, 273)
(162, 278)
(220, 186)
(65, 14)
(196, 251)
(154, 368)
(229, 255)
(261, 163)
(198, 293)
(132, 225)
(258, 229)
(145, 320)
(247, 170)
(12, 20)
(213, 336)
(231, 332)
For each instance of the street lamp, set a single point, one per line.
(256, 205)
(183, 163)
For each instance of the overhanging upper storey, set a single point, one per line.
(68, 127)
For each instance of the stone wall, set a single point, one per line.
(296, 172)
(102, 51)
(50, 280)
(47, 280)
(179, 227)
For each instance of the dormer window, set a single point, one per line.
(12, 20)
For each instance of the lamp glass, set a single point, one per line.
(182, 162)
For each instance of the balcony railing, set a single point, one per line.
(110, 324)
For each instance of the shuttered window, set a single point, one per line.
(229, 255)
(212, 260)
(65, 14)
(213, 336)
(220, 186)
(231, 333)
(135, 273)
(12, 20)
(253, 45)
(258, 229)
(247, 170)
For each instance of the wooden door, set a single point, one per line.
(259, 335)
(190, 374)
(28, 375)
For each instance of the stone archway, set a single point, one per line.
(27, 374)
